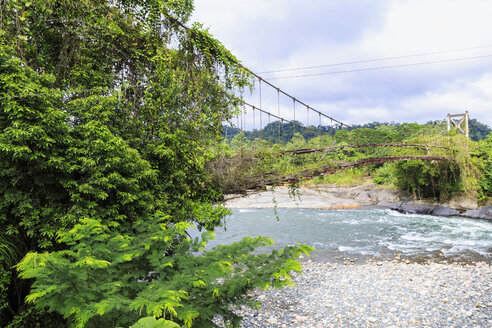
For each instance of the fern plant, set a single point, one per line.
(111, 279)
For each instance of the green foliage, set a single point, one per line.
(485, 154)
(346, 178)
(478, 130)
(110, 279)
(385, 174)
(374, 132)
(108, 113)
(151, 322)
(438, 179)
(435, 180)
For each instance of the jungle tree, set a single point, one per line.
(107, 111)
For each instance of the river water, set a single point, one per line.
(373, 232)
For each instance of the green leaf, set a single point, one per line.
(151, 322)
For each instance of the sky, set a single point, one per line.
(444, 50)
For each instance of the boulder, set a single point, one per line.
(363, 196)
(417, 208)
(391, 205)
(486, 212)
(475, 214)
(380, 195)
(444, 211)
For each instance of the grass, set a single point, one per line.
(346, 178)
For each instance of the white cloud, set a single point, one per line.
(474, 96)
(281, 34)
(415, 25)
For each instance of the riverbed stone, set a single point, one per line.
(462, 202)
(486, 212)
(444, 211)
(378, 195)
(417, 208)
(389, 204)
(475, 214)
(383, 296)
(300, 318)
(363, 196)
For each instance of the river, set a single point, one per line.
(366, 232)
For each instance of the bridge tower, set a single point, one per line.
(456, 120)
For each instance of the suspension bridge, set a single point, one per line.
(287, 117)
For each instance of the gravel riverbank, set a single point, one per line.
(362, 292)
(379, 294)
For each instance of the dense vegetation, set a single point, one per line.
(110, 117)
(259, 158)
(108, 111)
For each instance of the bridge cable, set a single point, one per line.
(237, 117)
(331, 128)
(278, 117)
(295, 156)
(292, 97)
(242, 130)
(261, 126)
(226, 128)
(254, 120)
(186, 28)
(374, 60)
(382, 67)
(242, 114)
(259, 81)
(278, 109)
(294, 100)
(307, 122)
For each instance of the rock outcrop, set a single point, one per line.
(332, 197)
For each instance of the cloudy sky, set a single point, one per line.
(443, 48)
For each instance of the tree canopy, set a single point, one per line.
(107, 111)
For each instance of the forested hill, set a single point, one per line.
(478, 130)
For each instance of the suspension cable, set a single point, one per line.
(307, 122)
(278, 117)
(294, 100)
(278, 109)
(331, 128)
(182, 25)
(259, 81)
(254, 119)
(261, 125)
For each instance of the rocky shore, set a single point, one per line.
(373, 292)
(331, 197)
(388, 293)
